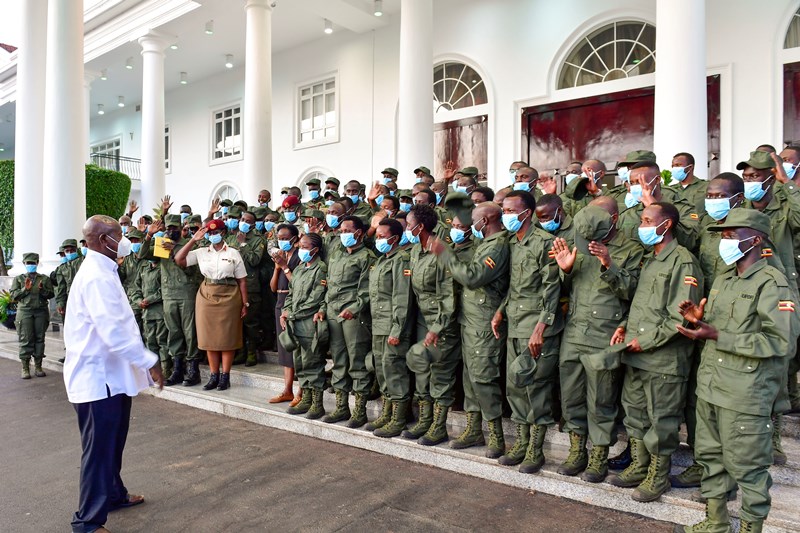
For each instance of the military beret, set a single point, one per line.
(69, 242)
(522, 370)
(226, 203)
(215, 224)
(290, 201)
(743, 217)
(333, 180)
(314, 213)
(234, 212)
(259, 212)
(173, 220)
(313, 181)
(592, 223)
(424, 170)
(134, 233)
(194, 220)
(461, 205)
(468, 171)
(390, 170)
(332, 194)
(30, 257)
(639, 156)
(758, 160)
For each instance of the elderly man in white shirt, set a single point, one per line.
(106, 364)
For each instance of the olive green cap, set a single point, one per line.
(390, 170)
(148, 219)
(259, 212)
(194, 220)
(30, 257)
(639, 156)
(69, 242)
(424, 170)
(134, 233)
(226, 203)
(468, 171)
(592, 223)
(404, 193)
(333, 194)
(758, 160)
(234, 211)
(321, 335)
(313, 181)
(461, 205)
(172, 220)
(333, 180)
(420, 356)
(743, 217)
(287, 338)
(314, 213)
(522, 370)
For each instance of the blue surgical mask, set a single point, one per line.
(225, 210)
(630, 201)
(754, 191)
(413, 239)
(476, 232)
(391, 192)
(551, 226)
(348, 239)
(313, 194)
(387, 181)
(679, 173)
(259, 225)
(383, 246)
(290, 216)
(790, 169)
(305, 255)
(512, 175)
(332, 221)
(379, 199)
(124, 230)
(403, 239)
(329, 202)
(84, 250)
(438, 198)
(306, 228)
(729, 250)
(418, 180)
(72, 256)
(64, 260)
(244, 227)
(522, 186)
(232, 223)
(405, 207)
(159, 234)
(512, 222)
(30, 269)
(135, 247)
(215, 238)
(355, 198)
(458, 236)
(285, 246)
(459, 188)
(718, 208)
(649, 234)
(636, 193)
(268, 225)
(569, 178)
(624, 174)
(184, 216)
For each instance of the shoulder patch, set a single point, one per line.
(407, 272)
(690, 280)
(694, 216)
(766, 252)
(786, 305)
(324, 282)
(489, 262)
(448, 220)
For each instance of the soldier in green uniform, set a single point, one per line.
(292, 211)
(330, 198)
(588, 186)
(601, 273)
(749, 325)
(423, 175)
(146, 295)
(390, 304)
(332, 184)
(32, 291)
(535, 321)
(65, 274)
(128, 270)
(526, 180)
(264, 225)
(571, 173)
(552, 218)
(316, 201)
(688, 186)
(346, 310)
(657, 357)
(361, 209)
(483, 280)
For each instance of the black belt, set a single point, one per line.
(223, 281)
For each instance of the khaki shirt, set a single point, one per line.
(218, 264)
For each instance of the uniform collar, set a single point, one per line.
(223, 249)
(668, 249)
(755, 267)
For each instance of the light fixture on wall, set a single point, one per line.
(184, 78)
(101, 109)
(120, 101)
(228, 61)
(129, 63)
(173, 46)
(378, 12)
(104, 74)
(210, 27)
(328, 27)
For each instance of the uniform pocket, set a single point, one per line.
(750, 441)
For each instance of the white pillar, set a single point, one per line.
(152, 151)
(29, 134)
(88, 78)
(415, 122)
(680, 123)
(257, 127)
(64, 206)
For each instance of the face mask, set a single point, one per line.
(135, 247)
(649, 235)
(413, 239)
(403, 239)
(624, 174)
(459, 188)
(123, 247)
(405, 207)
(512, 175)
(636, 193)
(438, 198)
(214, 239)
(124, 230)
(790, 169)
(244, 227)
(729, 250)
(458, 236)
(268, 225)
(313, 194)
(389, 213)
(64, 260)
(329, 202)
(418, 180)
(30, 269)
(290, 216)
(718, 208)
(332, 220)
(285, 246)
(225, 210)
(84, 250)
(232, 223)
(512, 222)
(379, 199)
(630, 201)
(391, 193)
(754, 191)
(304, 255)
(522, 186)
(383, 246)
(476, 232)
(679, 173)
(348, 239)
(306, 229)
(355, 198)
(569, 178)
(551, 226)
(264, 204)
(184, 216)
(259, 225)
(387, 181)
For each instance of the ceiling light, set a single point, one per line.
(228, 61)
(101, 109)
(120, 101)
(129, 63)
(184, 78)
(104, 74)
(173, 46)
(210, 27)
(328, 27)
(378, 8)
(2, 147)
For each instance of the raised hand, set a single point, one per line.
(691, 312)
(548, 185)
(132, 207)
(449, 171)
(563, 255)
(600, 251)
(215, 207)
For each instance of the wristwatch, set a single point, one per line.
(247, 304)
(286, 270)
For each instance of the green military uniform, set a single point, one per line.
(33, 315)
(265, 269)
(363, 211)
(687, 232)
(695, 195)
(617, 192)
(147, 287)
(127, 274)
(65, 274)
(319, 203)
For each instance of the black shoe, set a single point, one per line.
(193, 374)
(213, 381)
(621, 461)
(177, 373)
(224, 381)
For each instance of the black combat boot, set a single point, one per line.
(224, 381)
(193, 373)
(177, 373)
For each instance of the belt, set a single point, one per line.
(282, 292)
(223, 281)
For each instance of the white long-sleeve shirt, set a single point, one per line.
(104, 347)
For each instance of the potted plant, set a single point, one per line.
(8, 310)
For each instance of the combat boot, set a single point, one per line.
(717, 519)
(472, 434)
(688, 478)
(657, 481)
(423, 422)
(397, 424)
(37, 369)
(778, 455)
(342, 411)
(751, 527)
(597, 469)
(359, 416)
(239, 357)
(697, 496)
(621, 461)
(224, 381)
(166, 367)
(213, 381)
(497, 441)
(252, 359)
(794, 394)
(317, 409)
(437, 433)
(177, 372)
(386, 415)
(637, 470)
(193, 374)
(534, 456)
(304, 405)
(26, 369)
(516, 454)
(578, 458)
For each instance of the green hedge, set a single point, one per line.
(107, 193)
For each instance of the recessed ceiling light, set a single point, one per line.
(328, 27)
(2, 147)
(173, 46)
(378, 8)
(104, 74)
(184, 78)
(101, 109)
(228, 61)
(129, 63)
(210, 27)
(120, 101)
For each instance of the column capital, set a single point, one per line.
(88, 77)
(265, 4)
(155, 41)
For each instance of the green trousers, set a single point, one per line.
(309, 365)
(438, 381)
(588, 397)
(653, 406)
(350, 342)
(137, 314)
(735, 448)
(155, 331)
(253, 324)
(181, 335)
(31, 328)
(390, 367)
(690, 411)
(482, 352)
(533, 404)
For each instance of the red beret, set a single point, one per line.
(215, 224)
(290, 201)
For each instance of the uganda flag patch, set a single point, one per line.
(489, 262)
(551, 254)
(786, 305)
(407, 273)
(766, 252)
(690, 280)
(324, 283)
(694, 216)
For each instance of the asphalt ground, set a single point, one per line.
(202, 472)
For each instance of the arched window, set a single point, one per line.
(226, 191)
(456, 86)
(792, 39)
(615, 51)
(321, 176)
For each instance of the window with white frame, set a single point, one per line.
(167, 145)
(457, 86)
(106, 154)
(226, 140)
(792, 39)
(226, 191)
(317, 112)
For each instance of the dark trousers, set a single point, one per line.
(104, 430)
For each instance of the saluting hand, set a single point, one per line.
(564, 256)
(199, 234)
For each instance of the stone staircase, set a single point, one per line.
(252, 387)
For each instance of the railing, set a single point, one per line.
(127, 165)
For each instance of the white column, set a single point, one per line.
(257, 127)
(88, 78)
(64, 206)
(152, 152)
(29, 134)
(680, 123)
(415, 122)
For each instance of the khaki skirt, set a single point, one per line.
(218, 311)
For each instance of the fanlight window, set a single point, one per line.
(456, 86)
(792, 39)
